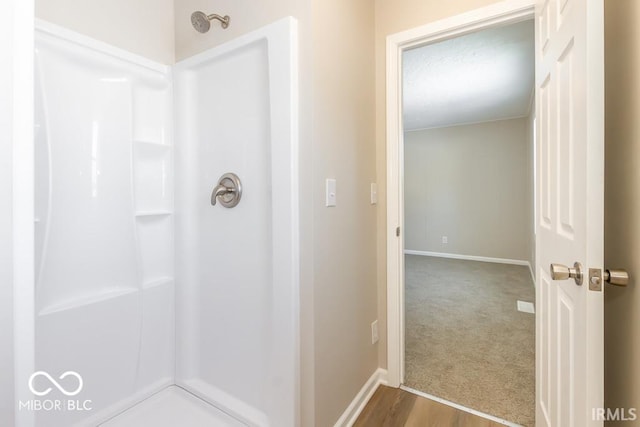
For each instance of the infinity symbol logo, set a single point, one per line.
(55, 383)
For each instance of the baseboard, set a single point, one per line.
(358, 403)
(470, 257)
(476, 258)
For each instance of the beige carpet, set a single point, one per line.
(465, 340)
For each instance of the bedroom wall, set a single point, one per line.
(471, 184)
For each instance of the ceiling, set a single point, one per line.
(483, 76)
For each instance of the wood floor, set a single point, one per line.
(393, 407)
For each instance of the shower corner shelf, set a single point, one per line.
(154, 144)
(85, 300)
(151, 213)
(157, 281)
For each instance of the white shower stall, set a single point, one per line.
(144, 290)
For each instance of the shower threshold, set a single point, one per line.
(172, 407)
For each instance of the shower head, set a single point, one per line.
(202, 22)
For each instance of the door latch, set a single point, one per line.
(595, 279)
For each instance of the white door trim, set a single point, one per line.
(508, 11)
(20, 58)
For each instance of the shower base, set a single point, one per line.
(172, 407)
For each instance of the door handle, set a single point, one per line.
(562, 272)
(612, 277)
(616, 277)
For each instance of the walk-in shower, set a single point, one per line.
(146, 291)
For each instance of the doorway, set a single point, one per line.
(468, 216)
(466, 209)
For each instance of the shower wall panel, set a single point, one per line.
(104, 224)
(237, 268)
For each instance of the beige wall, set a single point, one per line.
(469, 183)
(393, 16)
(622, 203)
(144, 27)
(344, 236)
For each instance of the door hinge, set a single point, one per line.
(398, 231)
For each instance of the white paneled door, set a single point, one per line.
(569, 222)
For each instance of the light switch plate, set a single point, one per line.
(331, 193)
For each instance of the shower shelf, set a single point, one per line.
(153, 144)
(157, 281)
(153, 213)
(83, 300)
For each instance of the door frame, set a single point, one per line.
(17, 105)
(505, 12)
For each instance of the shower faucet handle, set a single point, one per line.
(228, 191)
(219, 191)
